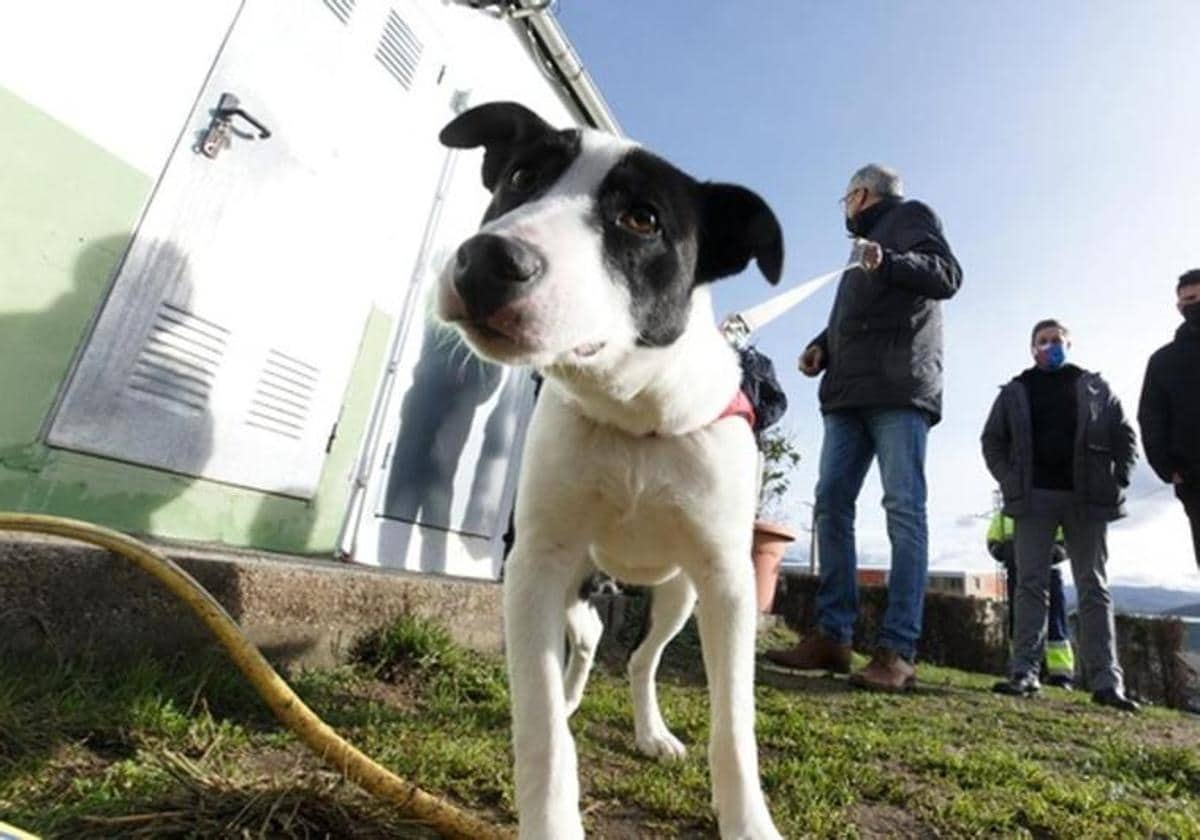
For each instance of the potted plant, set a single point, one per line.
(771, 533)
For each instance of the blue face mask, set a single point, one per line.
(1052, 356)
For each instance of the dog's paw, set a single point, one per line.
(662, 745)
(757, 829)
(550, 832)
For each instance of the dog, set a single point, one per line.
(593, 265)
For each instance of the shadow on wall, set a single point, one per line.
(36, 347)
(86, 602)
(284, 524)
(449, 385)
(138, 369)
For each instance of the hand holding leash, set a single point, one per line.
(870, 254)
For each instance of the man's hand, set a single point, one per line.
(870, 253)
(813, 360)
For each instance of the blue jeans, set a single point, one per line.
(896, 436)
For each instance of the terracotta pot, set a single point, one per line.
(770, 541)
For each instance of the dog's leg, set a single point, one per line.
(727, 621)
(671, 604)
(537, 586)
(584, 629)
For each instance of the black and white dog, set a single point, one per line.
(592, 265)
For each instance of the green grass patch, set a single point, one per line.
(187, 750)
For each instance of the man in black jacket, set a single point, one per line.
(1169, 411)
(882, 391)
(1058, 443)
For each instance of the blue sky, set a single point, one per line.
(1059, 143)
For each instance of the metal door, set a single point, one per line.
(229, 334)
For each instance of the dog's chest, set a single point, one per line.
(644, 500)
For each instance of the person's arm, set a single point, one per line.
(1154, 418)
(995, 441)
(1124, 441)
(922, 262)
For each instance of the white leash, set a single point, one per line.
(738, 327)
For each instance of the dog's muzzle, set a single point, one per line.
(492, 271)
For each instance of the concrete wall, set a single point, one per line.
(1158, 665)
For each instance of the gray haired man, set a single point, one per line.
(881, 355)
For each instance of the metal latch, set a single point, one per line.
(221, 128)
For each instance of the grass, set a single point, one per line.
(189, 751)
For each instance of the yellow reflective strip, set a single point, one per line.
(1060, 659)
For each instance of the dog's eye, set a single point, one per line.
(640, 220)
(521, 179)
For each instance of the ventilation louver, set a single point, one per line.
(341, 8)
(283, 396)
(180, 359)
(399, 50)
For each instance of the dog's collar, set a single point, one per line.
(739, 406)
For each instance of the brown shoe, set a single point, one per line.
(816, 652)
(887, 671)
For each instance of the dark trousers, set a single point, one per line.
(1190, 496)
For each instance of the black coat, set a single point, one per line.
(1169, 410)
(1104, 453)
(883, 344)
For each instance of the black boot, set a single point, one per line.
(1017, 687)
(1114, 699)
(1060, 681)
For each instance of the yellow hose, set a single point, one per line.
(414, 803)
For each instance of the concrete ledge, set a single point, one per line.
(965, 633)
(1153, 651)
(75, 600)
(969, 634)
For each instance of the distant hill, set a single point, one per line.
(1148, 600)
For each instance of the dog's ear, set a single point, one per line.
(500, 127)
(736, 225)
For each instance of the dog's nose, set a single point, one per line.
(491, 271)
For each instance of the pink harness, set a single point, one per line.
(739, 406)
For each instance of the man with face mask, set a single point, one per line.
(1059, 445)
(882, 390)
(1169, 411)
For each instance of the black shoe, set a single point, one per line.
(1114, 699)
(1024, 687)
(1060, 681)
